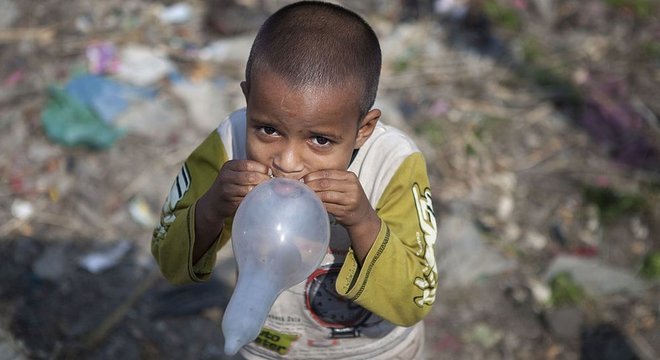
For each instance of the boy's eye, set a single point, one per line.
(320, 140)
(268, 130)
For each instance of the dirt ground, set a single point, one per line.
(538, 119)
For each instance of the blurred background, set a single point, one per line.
(538, 119)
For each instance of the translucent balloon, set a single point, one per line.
(280, 234)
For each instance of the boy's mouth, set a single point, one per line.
(272, 174)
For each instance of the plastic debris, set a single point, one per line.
(84, 24)
(141, 212)
(202, 101)
(535, 240)
(464, 255)
(143, 66)
(439, 108)
(108, 98)
(233, 50)
(452, 8)
(67, 121)
(595, 277)
(176, 14)
(102, 58)
(541, 292)
(21, 209)
(13, 78)
(100, 261)
(145, 117)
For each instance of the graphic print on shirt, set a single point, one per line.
(342, 317)
(178, 189)
(276, 341)
(426, 242)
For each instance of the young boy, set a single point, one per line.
(310, 85)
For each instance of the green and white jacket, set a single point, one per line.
(343, 310)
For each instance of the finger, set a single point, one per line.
(345, 186)
(327, 174)
(334, 198)
(235, 174)
(250, 178)
(247, 165)
(235, 193)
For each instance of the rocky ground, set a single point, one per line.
(538, 119)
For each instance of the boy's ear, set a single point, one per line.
(367, 126)
(244, 88)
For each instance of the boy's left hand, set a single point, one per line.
(343, 196)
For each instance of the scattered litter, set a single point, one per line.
(13, 78)
(456, 9)
(595, 277)
(440, 83)
(21, 209)
(176, 14)
(157, 119)
(203, 101)
(102, 58)
(505, 207)
(639, 230)
(100, 261)
(141, 212)
(464, 256)
(143, 66)
(585, 251)
(439, 108)
(16, 183)
(108, 98)
(84, 24)
(67, 121)
(484, 335)
(541, 292)
(231, 50)
(535, 240)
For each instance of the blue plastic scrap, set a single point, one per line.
(106, 97)
(69, 122)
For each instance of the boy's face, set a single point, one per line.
(296, 132)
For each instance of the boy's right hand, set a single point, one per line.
(235, 179)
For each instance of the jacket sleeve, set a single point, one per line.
(174, 236)
(398, 278)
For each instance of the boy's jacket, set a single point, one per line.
(343, 310)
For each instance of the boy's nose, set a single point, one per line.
(289, 163)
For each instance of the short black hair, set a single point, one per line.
(314, 43)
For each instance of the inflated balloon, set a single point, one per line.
(279, 236)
